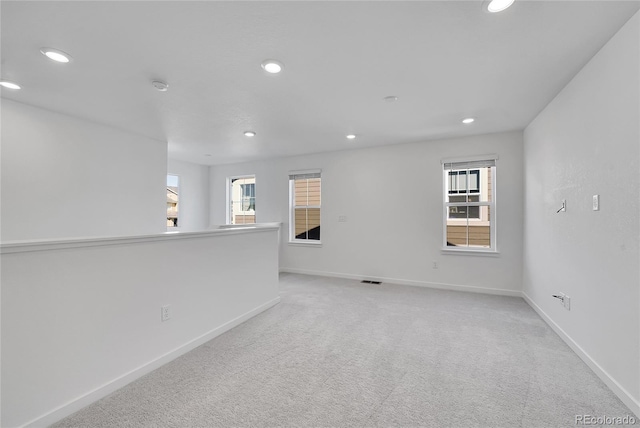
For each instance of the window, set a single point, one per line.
(172, 201)
(469, 205)
(304, 203)
(242, 200)
(248, 196)
(464, 186)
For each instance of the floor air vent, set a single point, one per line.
(364, 281)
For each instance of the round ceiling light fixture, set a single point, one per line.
(498, 5)
(390, 99)
(56, 55)
(351, 136)
(272, 66)
(249, 134)
(468, 120)
(160, 86)
(8, 84)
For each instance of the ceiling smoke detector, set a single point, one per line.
(160, 86)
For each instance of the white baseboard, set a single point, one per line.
(453, 287)
(109, 387)
(617, 389)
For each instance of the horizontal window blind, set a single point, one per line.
(305, 175)
(469, 164)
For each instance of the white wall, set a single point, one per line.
(380, 239)
(193, 194)
(586, 142)
(87, 320)
(64, 177)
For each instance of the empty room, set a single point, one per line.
(378, 213)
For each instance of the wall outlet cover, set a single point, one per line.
(165, 313)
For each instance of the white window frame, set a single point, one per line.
(471, 163)
(230, 195)
(293, 175)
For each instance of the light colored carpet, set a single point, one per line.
(337, 353)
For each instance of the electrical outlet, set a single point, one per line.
(596, 202)
(567, 302)
(342, 218)
(435, 265)
(165, 313)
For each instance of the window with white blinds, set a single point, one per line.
(304, 203)
(469, 204)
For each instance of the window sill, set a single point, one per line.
(481, 253)
(305, 244)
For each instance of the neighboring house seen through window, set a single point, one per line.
(464, 186)
(172, 201)
(469, 205)
(242, 200)
(304, 204)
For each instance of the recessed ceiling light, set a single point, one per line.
(499, 5)
(8, 84)
(351, 136)
(56, 55)
(272, 66)
(390, 98)
(160, 86)
(249, 134)
(468, 120)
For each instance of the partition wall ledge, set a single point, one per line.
(58, 244)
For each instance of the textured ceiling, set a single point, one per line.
(445, 60)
